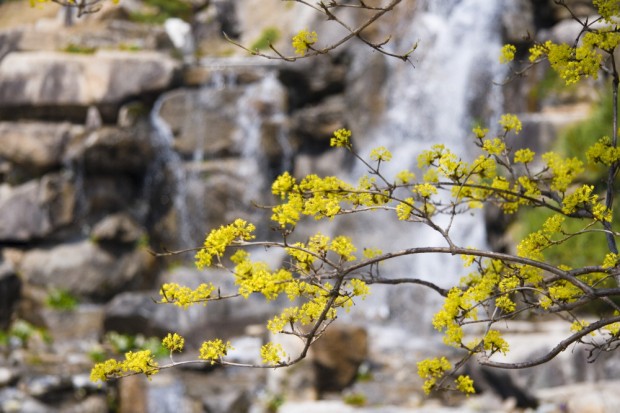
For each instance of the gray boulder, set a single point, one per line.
(36, 209)
(41, 82)
(33, 148)
(85, 269)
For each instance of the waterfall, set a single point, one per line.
(435, 102)
(261, 102)
(166, 177)
(258, 129)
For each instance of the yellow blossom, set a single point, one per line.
(508, 53)
(173, 342)
(510, 122)
(303, 40)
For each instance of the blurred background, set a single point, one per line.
(140, 127)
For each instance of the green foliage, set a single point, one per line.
(123, 343)
(274, 402)
(356, 399)
(79, 49)
(572, 142)
(162, 10)
(21, 333)
(269, 36)
(62, 300)
(129, 47)
(576, 140)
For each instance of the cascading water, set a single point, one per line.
(437, 102)
(263, 101)
(166, 176)
(257, 122)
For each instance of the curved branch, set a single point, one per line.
(562, 345)
(352, 33)
(396, 281)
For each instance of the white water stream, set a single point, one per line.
(455, 65)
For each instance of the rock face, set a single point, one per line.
(86, 269)
(10, 294)
(34, 148)
(36, 209)
(40, 83)
(337, 356)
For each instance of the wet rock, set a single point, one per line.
(36, 209)
(117, 228)
(130, 113)
(337, 356)
(47, 388)
(202, 120)
(8, 41)
(115, 151)
(92, 404)
(38, 83)
(502, 384)
(229, 401)
(518, 21)
(8, 376)
(315, 125)
(85, 269)
(224, 180)
(34, 148)
(83, 323)
(10, 293)
(13, 400)
(166, 394)
(323, 406)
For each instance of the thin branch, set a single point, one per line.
(397, 281)
(560, 347)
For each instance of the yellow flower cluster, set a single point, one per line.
(404, 209)
(445, 319)
(214, 350)
(611, 260)
(524, 156)
(603, 152)
(135, 362)
(341, 138)
(493, 341)
(574, 63)
(507, 54)
(313, 196)
(495, 146)
(219, 239)
(564, 171)
(380, 154)
(405, 177)
(173, 342)
(303, 40)
(465, 384)
(609, 9)
(510, 122)
(272, 354)
(183, 296)
(578, 325)
(432, 370)
(256, 277)
(583, 197)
